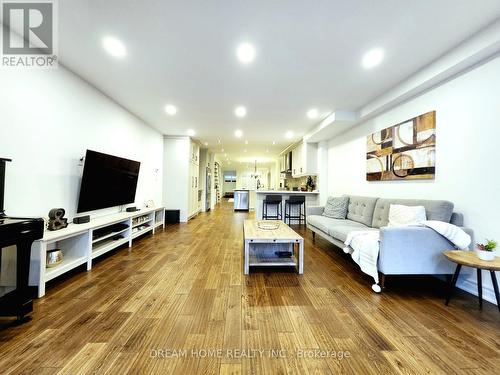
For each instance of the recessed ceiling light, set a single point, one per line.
(373, 57)
(206, 143)
(240, 111)
(313, 113)
(191, 132)
(245, 53)
(246, 142)
(170, 109)
(289, 134)
(274, 142)
(238, 133)
(114, 46)
(219, 141)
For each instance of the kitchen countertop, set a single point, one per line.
(285, 192)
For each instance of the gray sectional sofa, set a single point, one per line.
(403, 250)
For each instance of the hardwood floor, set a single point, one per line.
(156, 308)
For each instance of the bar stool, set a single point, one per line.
(295, 201)
(273, 201)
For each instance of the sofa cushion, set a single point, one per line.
(340, 232)
(336, 207)
(360, 209)
(326, 223)
(434, 209)
(329, 225)
(321, 222)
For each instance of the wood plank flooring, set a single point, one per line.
(178, 303)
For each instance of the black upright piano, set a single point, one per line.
(20, 232)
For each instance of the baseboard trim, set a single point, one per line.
(471, 287)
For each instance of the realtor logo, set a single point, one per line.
(29, 33)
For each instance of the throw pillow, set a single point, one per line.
(336, 208)
(400, 215)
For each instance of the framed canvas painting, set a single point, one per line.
(405, 151)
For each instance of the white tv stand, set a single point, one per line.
(79, 245)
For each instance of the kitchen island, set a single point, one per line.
(312, 199)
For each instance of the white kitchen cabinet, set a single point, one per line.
(181, 176)
(193, 188)
(297, 160)
(304, 159)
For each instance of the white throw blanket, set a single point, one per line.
(364, 245)
(452, 233)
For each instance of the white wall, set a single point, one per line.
(176, 175)
(48, 119)
(467, 160)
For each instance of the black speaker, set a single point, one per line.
(81, 219)
(132, 209)
(172, 216)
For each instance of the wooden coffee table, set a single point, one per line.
(470, 259)
(261, 245)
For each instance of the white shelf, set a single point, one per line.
(255, 260)
(107, 246)
(95, 223)
(66, 265)
(109, 235)
(79, 247)
(142, 223)
(141, 232)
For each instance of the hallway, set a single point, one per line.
(178, 302)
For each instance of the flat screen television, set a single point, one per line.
(107, 181)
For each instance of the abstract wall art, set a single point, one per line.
(406, 151)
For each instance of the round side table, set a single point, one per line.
(470, 259)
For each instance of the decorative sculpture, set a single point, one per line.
(56, 219)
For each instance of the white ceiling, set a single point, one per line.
(308, 55)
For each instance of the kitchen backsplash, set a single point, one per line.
(299, 182)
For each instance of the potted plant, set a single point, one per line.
(310, 184)
(486, 251)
